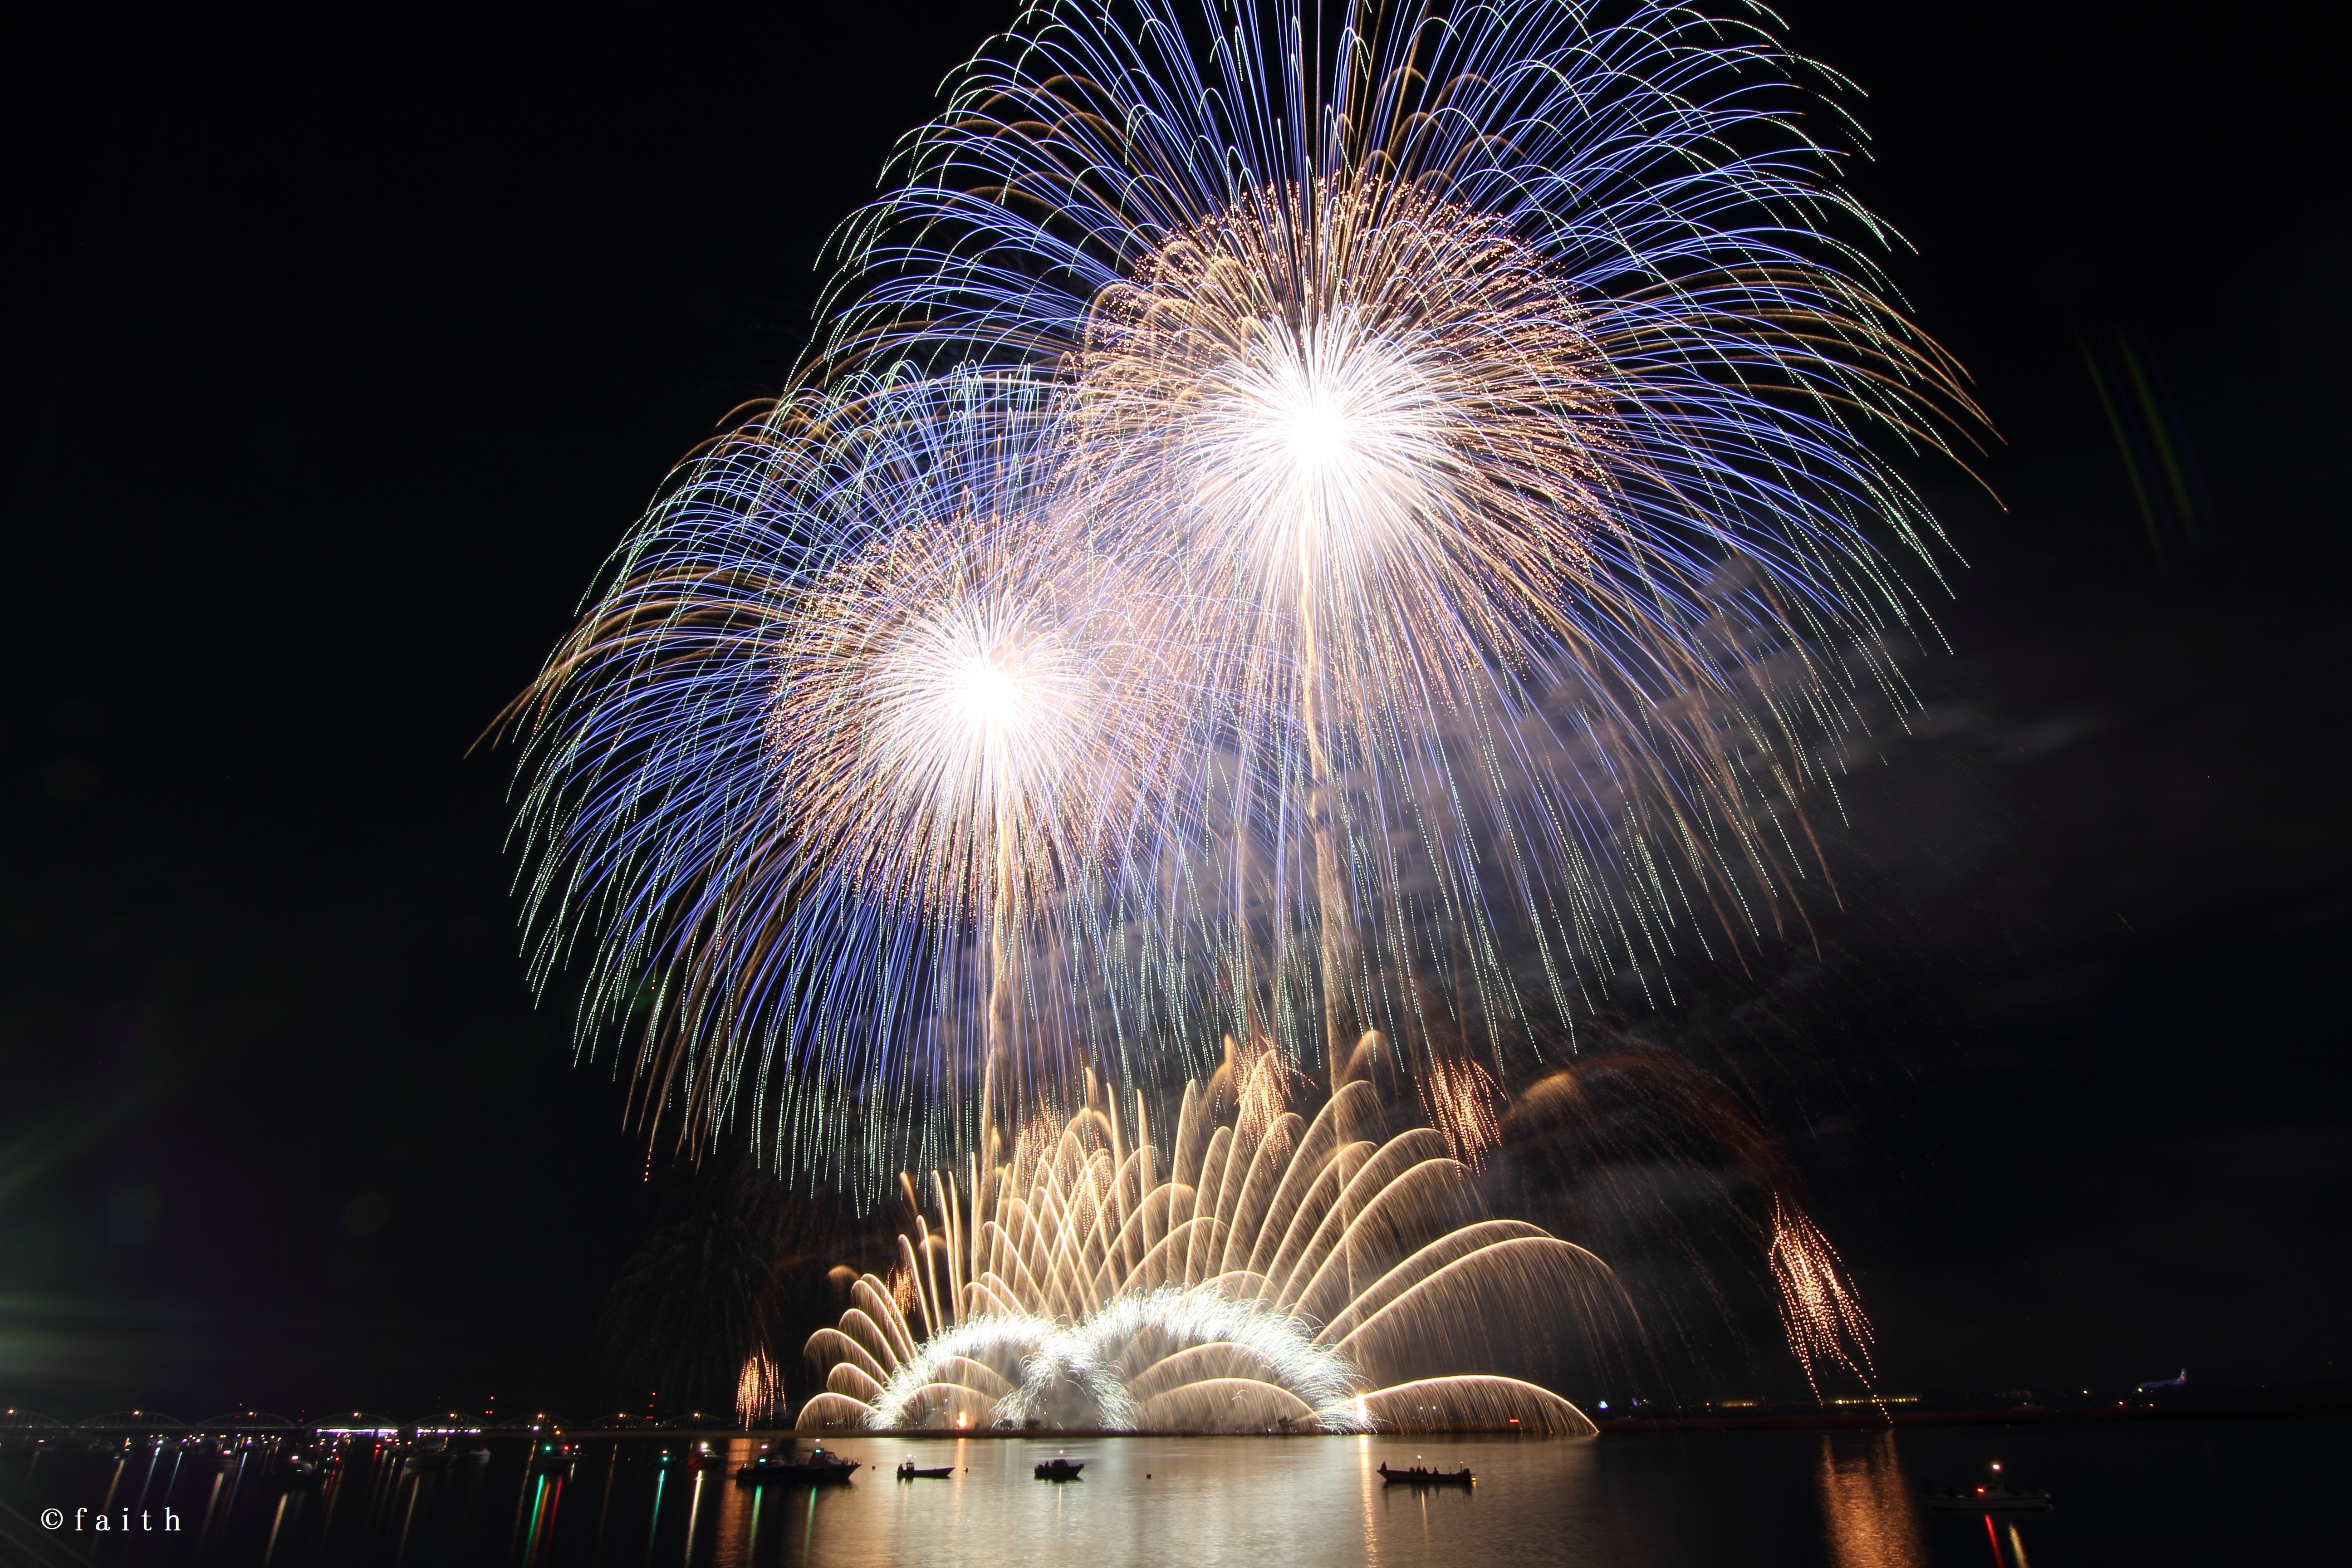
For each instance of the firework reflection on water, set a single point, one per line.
(1764, 1500)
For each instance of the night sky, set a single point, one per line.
(339, 351)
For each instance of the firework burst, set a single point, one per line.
(1335, 538)
(822, 777)
(1590, 1142)
(1488, 387)
(759, 1389)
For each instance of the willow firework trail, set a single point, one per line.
(822, 776)
(1490, 386)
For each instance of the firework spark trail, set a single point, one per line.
(1489, 388)
(1460, 1099)
(1819, 1310)
(758, 1391)
(1305, 1274)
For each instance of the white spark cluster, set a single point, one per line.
(1112, 1370)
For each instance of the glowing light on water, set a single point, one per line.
(1304, 1277)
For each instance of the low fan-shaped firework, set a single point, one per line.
(1275, 1274)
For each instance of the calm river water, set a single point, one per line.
(2240, 1491)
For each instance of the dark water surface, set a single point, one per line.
(2251, 1490)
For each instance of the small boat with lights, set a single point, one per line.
(1419, 1477)
(819, 1469)
(1060, 1469)
(911, 1471)
(1992, 1496)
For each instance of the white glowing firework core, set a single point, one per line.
(1327, 440)
(1319, 436)
(991, 698)
(974, 700)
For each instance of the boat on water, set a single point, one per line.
(1060, 1469)
(819, 1469)
(1992, 1496)
(297, 1470)
(911, 1471)
(1419, 1476)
